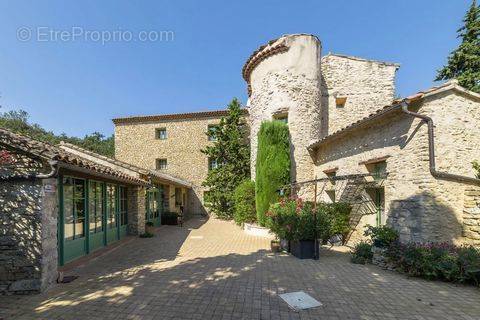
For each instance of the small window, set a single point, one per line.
(161, 133)
(212, 164)
(161, 164)
(331, 175)
(340, 102)
(212, 132)
(281, 117)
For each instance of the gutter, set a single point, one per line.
(34, 176)
(431, 150)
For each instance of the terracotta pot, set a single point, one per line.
(275, 246)
(150, 229)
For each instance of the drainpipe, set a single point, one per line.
(431, 150)
(33, 176)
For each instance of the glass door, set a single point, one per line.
(73, 206)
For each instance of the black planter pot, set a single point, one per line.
(303, 249)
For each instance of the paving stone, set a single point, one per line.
(227, 274)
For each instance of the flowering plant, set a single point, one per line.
(5, 157)
(294, 219)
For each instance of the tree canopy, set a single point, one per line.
(464, 62)
(18, 122)
(230, 152)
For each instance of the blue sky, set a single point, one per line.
(78, 86)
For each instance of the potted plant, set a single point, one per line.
(275, 245)
(149, 227)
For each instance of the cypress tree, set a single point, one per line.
(272, 165)
(464, 62)
(231, 151)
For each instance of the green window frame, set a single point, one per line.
(123, 209)
(111, 206)
(161, 133)
(212, 132)
(74, 207)
(96, 208)
(212, 164)
(161, 164)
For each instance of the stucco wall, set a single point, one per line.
(288, 82)
(421, 207)
(136, 143)
(368, 85)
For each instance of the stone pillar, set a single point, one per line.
(49, 218)
(136, 196)
(471, 215)
(28, 236)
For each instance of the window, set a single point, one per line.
(161, 133)
(212, 164)
(74, 208)
(212, 130)
(123, 205)
(95, 206)
(340, 102)
(161, 164)
(283, 117)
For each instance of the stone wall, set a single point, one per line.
(368, 85)
(136, 209)
(136, 143)
(28, 235)
(421, 207)
(288, 83)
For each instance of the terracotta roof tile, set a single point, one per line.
(175, 116)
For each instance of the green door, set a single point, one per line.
(96, 215)
(73, 207)
(379, 204)
(112, 214)
(154, 206)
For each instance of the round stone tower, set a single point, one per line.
(283, 79)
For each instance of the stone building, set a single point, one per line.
(405, 162)
(170, 144)
(60, 203)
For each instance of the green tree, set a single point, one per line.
(244, 200)
(273, 165)
(18, 122)
(231, 152)
(464, 62)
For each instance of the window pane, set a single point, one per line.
(80, 218)
(68, 207)
(99, 211)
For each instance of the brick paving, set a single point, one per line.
(212, 270)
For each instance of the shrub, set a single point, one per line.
(362, 253)
(476, 167)
(244, 198)
(147, 235)
(272, 165)
(440, 261)
(382, 236)
(338, 214)
(149, 224)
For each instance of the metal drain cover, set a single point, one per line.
(299, 300)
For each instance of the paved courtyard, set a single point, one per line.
(212, 270)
